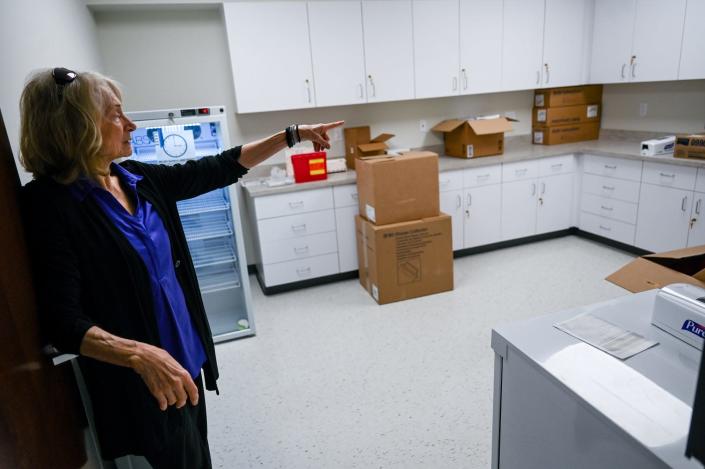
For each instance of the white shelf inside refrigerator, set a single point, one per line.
(211, 202)
(212, 254)
(221, 279)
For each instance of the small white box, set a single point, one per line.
(679, 309)
(658, 146)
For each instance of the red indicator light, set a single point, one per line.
(204, 110)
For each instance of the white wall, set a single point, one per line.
(41, 34)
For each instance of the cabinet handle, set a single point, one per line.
(609, 209)
(359, 87)
(622, 72)
(520, 172)
(483, 176)
(304, 272)
(633, 66)
(608, 188)
(610, 166)
(455, 83)
(302, 250)
(548, 73)
(605, 228)
(298, 228)
(538, 76)
(297, 204)
(445, 182)
(308, 89)
(664, 175)
(354, 196)
(469, 199)
(697, 206)
(533, 188)
(683, 202)
(543, 188)
(458, 201)
(465, 79)
(557, 165)
(372, 85)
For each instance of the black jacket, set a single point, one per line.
(87, 274)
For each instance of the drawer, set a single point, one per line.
(295, 226)
(519, 171)
(300, 269)
(612, 229)
(450, 180)
(609, 208)
(611, 188)
(345, 196)
(293, 202)
(558, 165)
(700, 180)
(299, 248)
(612, 167)
(670, 175)
(483, 176)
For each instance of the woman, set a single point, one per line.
(115, 279)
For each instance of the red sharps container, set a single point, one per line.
(309, 166)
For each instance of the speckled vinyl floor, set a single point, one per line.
(332, 380)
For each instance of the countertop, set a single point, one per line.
(615, 143)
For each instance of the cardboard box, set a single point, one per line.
(393, 189)
(658, 270)
(359, 144)
(568, 96)
(566, 115)
(469, 138)
(566, 133)
(690, 146)
(405, 260)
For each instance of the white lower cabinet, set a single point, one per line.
(300, 269)
(452, 204)
(555, 203)
(663, 219)
(482, 215)
(518, 218)
(607, 228)
(347, 244)
(696, 234)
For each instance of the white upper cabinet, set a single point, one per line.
(693, 51)
(636, 40)
(389, 50)
(337, 52)
(522, 44)
(480, 46)
(436, 43)
(270, 73)
(565, 36)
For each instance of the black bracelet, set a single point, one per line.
(298, 135)
(289, 137)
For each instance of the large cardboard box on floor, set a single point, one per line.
(359, 144)
(392, 189)
(568, 96)
(658, 270)
(469, 138)
(405, 260)
(565, 133)
(690, 146)
(566, 115)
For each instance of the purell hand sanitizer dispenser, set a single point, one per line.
(679, 309)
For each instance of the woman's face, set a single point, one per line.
(115, 131)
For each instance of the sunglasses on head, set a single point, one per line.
(63, 76)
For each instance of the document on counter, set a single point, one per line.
(605, 336)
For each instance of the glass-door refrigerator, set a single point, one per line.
(211, 221)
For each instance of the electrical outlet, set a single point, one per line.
(336, 135)
(643, 109)
(423, 125)
(510, 114)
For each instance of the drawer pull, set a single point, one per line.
(484, 176)
(304, 272)
(302, 250)
(557, 165)
(298, 228)
(609, 209)
(610, 166)
(521, 171)
(298, 204)
(354, 196)
(445, 182)
(606, 228)
(608, 188)
(664, 175)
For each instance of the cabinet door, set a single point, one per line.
(452, 204)
(389, 50)
(664, 216)
(336, 51)
(269, 74)
(522, 44)
(696, 235)
(436, 56)
(483, 207)
(480, 46)
(612, 34)
(519, 209)
(658, 32)
(692, 57)
(347, 244)
(564, 43)
(555, 203)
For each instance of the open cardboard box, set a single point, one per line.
(358, 144)
(658, 270)
(468, 138)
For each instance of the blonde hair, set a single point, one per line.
(60, 124)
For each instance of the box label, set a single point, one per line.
(539, 100)
(375, 292)
(538, 137)
(541, 115)
(469, 151)
(592, 111)
(370, 212)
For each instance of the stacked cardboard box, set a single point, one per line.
(690, 146)
(404, 242)
(358, 144)
(470, 138)
(566, 115)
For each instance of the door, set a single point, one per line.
(336, 52)
(663, 219)
(480, 46)
(452, 204)
(436, 56)
(347, 244)
(613, 30)
(519, 209)
(564, 43)
(658, 33)
(483, 206)
(696, 234)
(522, 44)
(555, 203)
(692, 57)
(389, 50)
(274, 74)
